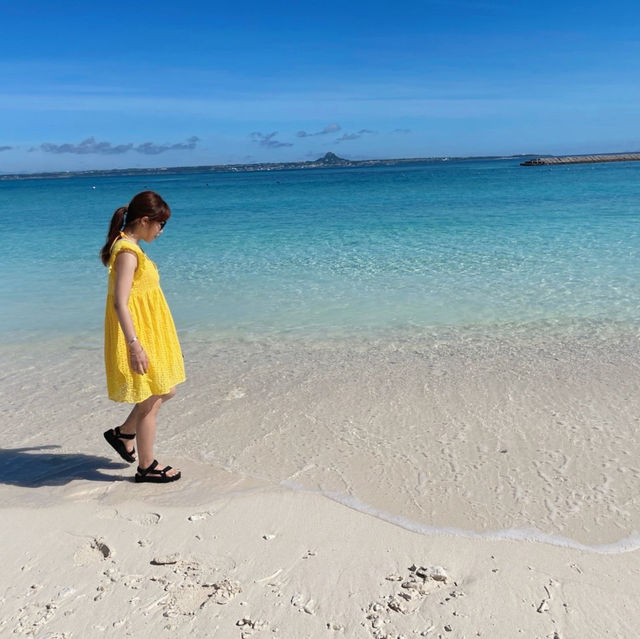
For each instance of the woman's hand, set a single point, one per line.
(138, 358)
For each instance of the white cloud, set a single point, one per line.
(267, 140)
(91, 146)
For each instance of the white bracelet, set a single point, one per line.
(132, 340)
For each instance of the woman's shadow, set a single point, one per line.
(31, 468)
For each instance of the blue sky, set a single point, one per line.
(160, 83)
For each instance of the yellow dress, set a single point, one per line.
(155, 330)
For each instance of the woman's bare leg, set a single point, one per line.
(130, 427)
(144, 416)
(146, 410)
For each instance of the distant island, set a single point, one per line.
(327, 161)
(582, 159)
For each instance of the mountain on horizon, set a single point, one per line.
(331, 158)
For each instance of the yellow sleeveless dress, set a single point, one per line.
(155, 330)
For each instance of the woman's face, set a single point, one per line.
(151, 229)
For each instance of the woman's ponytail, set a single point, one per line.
(116, 225)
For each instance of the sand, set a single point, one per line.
(457, 485)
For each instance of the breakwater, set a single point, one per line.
(583, 159)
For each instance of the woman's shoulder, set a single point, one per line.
(123, 244)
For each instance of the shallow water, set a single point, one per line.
(337, 252)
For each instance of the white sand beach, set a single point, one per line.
(449, 486)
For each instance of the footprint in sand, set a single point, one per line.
(108, 515)
(303, 603)
(92, 551)
(407, 596)
(200, 516)
(190, 594)
(145, 519)
(235, 393)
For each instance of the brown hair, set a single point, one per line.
(145, 204)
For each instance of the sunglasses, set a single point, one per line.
(162, 224)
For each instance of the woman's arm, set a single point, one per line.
(125, 265)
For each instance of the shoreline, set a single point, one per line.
(537, 329)
(629, 544)
(328, 161)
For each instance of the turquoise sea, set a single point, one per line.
(337, 252)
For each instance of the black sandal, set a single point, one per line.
(152, 474)
(115, 437)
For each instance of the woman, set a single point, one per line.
(142, 354)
